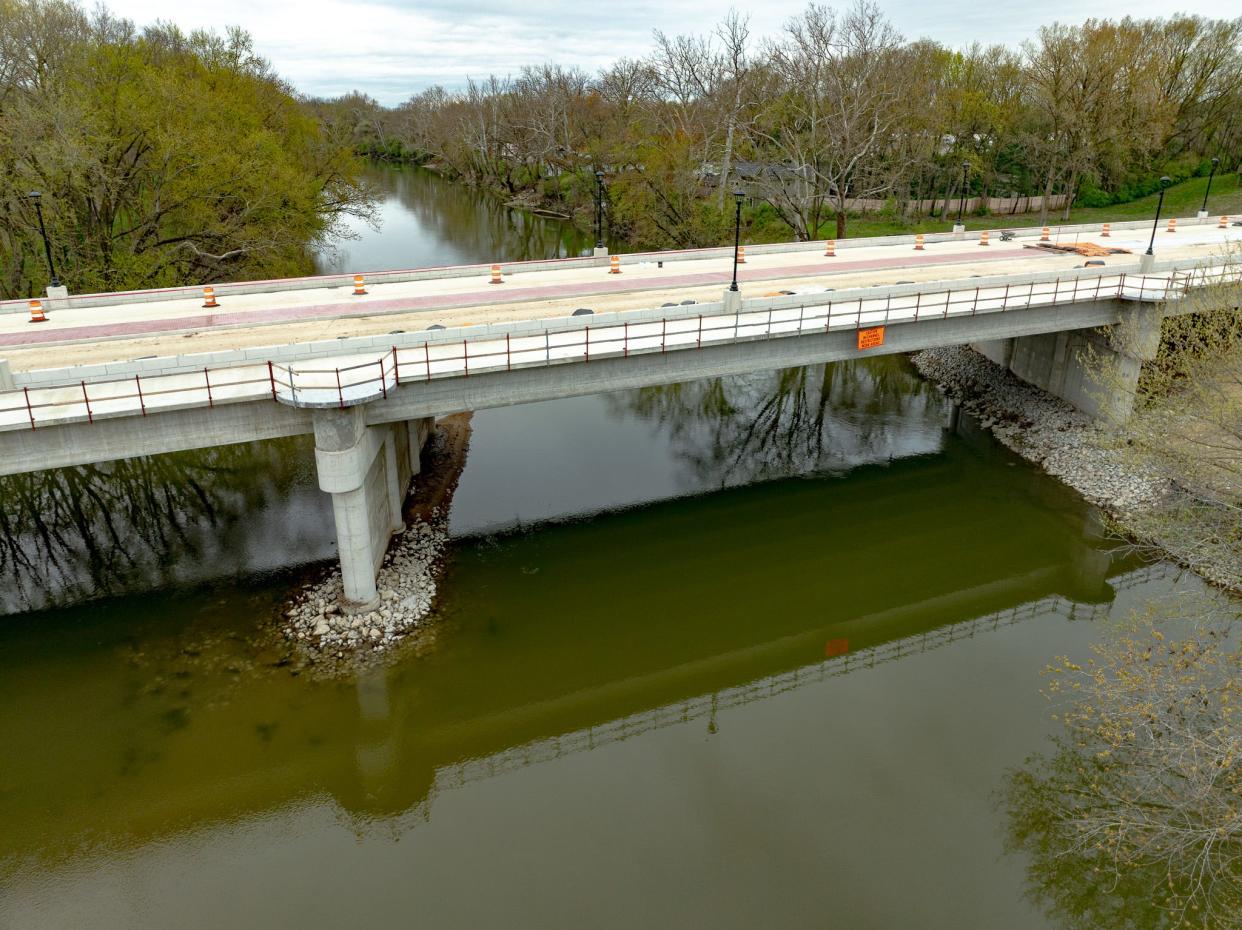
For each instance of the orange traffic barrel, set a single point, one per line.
(741, 255)
(615, 264)
(359, 286)
(36, 312)
(830, 249)
(1106, 232)
(1224, 223)
(496, 276)
(209, 297)
(918, 243)
(1173, 224)
(983, 237)
(1045, 235)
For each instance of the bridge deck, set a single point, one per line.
(346, 373)
(115, 328)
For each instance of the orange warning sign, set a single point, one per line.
(871, 338)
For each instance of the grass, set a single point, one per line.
(1183, 200)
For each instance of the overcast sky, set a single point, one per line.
(391, 49)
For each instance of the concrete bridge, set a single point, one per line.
(370, 393)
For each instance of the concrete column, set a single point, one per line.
(345, 456)
(959, 230)
(395, 486)
(6, 376)
(732, 301)
(367, 470)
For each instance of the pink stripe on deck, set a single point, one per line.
(515, 293)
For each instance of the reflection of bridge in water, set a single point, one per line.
(534, 667)
(708, 705)
(375, 759)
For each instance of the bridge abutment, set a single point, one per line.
(1094, 370)
(367, 470)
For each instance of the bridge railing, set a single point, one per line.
(507, 347)
(371, 378)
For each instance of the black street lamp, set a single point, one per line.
(961, 203)
(1211, 174)
(1164, 183)
(737, 235)
(599, 209)
(47, 246)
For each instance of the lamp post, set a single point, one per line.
(737, 235)
(599, 209)
(47, 246)
(1149, 257)
(961, 203)
(1211, 174)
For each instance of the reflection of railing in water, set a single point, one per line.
(706, 705)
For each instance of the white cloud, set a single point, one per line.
(395, 48)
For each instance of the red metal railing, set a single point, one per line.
(373, 377)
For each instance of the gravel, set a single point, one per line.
(315, 618)
(1044, 429)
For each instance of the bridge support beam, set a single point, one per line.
(367, 470)
(1094, 370)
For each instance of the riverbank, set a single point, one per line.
(407, 580)
(1072, 447)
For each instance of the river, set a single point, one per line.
(749, 652)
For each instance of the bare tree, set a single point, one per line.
(835, 112)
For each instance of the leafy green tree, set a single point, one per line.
(163, 158)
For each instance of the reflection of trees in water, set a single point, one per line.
(72, 533)
(481, 226)
(821, 417)
(478, 224)
(451, 224)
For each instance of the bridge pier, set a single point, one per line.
(367, 470)
(1094, 370)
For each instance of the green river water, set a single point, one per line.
(746, 653)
